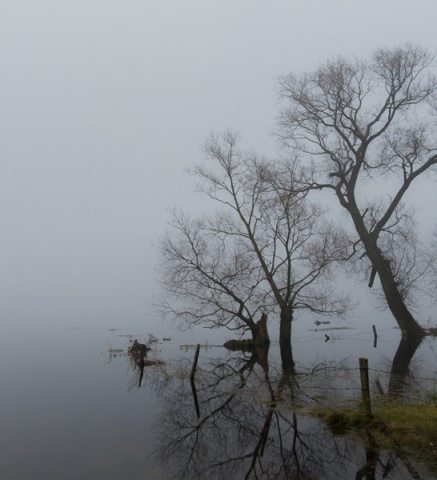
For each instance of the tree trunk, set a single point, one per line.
(285, 325)
(285, 339)
(260, 335)
(288, 377)
(408, 325)
(401, 364)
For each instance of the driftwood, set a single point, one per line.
(240, 345)
(138, 352)
(138, 348)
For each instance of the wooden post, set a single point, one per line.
(365, 391)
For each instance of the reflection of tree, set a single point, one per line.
(236, 436)
(157, 375)
(248, 426)
(401, 364)
(269, 249)
(368, 121)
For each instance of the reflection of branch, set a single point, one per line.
(259, 449)
(193, 387)
(250, 439)
(234, 425)
(188, 430)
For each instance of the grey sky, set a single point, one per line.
(104, 103)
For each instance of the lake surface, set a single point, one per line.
(72, 407)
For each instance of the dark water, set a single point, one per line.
(72, 408)
(67, 412)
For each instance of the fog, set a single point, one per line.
(104, 105)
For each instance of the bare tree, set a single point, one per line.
(207, 279)
(268, 249)
(361, 123)
(433, 263)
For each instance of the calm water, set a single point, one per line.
(71, 409)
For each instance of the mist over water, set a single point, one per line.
(105, 104)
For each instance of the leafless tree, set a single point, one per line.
(267, 249)
(433, 263)
(364, 123)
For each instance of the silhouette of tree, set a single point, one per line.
(268, 249)
(360, 123)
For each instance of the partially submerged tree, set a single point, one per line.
(207, 280)
(268, 249)
(362, 123)
(433, 266)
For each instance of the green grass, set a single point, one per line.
(410, 429)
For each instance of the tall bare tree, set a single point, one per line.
(433, 263)
(361, 123)
(267, 249)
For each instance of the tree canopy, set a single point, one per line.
(358, 123)
(364, 129)
(266, 249)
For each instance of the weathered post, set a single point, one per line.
(365, 391)
(375, 337)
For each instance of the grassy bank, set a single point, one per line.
(406, 429)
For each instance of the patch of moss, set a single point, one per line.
(413, 428)
(408, 429)
(343, 421)
(432, 396)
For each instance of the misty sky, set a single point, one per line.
(104, 103)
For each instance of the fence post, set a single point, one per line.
(365, 391)
(375, 337)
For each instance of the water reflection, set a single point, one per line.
(401, 365)
(138, 356)
(242, 418)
